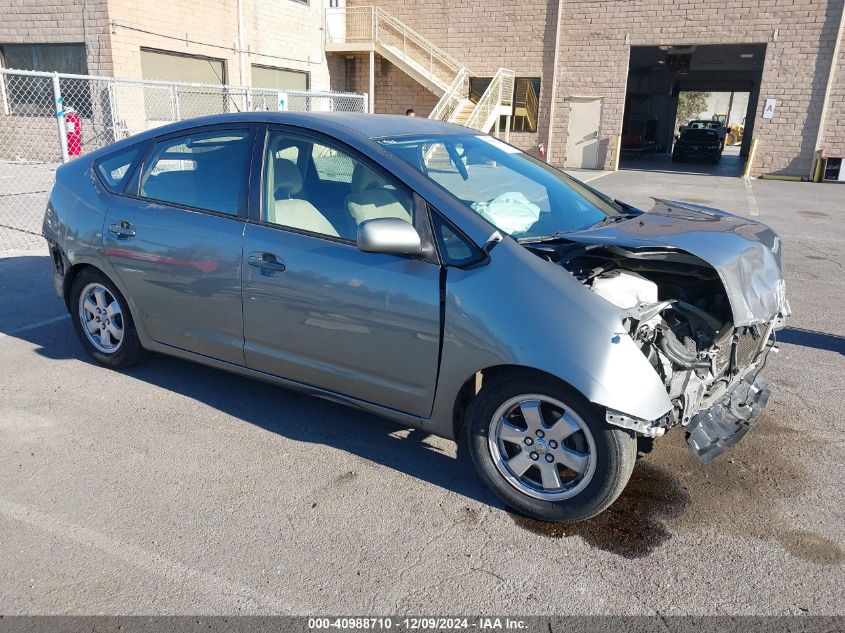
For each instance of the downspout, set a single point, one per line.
(554, 85)
(830, 77)
(241, 58)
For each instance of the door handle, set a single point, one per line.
(122, 231)
(267, 262)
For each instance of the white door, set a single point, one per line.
(582, 145)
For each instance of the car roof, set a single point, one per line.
(367, 125)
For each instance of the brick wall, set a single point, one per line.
(596, 36)
(483, 36)
(60, 22)
(277, 33)
(595, 41)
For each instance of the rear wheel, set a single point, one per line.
(102, 320)
(546, 451)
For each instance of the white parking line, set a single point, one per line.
(150, 562)
(34, 326)
(752, 201)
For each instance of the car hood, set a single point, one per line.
(746, 254)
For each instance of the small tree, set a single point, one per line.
(690, 105)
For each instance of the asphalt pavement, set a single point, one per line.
(172, 488)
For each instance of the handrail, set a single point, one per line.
(374, 25)
(499, 94)
(452, 98)
(531, 105)
(412, 35)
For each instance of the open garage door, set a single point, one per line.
(680, 98)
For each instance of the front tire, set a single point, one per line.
(102, 320)
(545, 450)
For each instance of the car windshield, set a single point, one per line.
(519, 194)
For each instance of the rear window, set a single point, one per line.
(114, 170)
(699, 135)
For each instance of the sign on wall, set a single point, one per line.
(769, 109)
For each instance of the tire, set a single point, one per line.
(611, 452)
(102, 320)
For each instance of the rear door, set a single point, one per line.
(318, 310)
(175, 238)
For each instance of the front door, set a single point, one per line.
(318, 310)
(582, 145)
(176, 240)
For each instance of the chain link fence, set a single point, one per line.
(49, 118)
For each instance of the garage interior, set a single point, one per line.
(659, 75)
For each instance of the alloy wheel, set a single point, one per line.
(102, 318)
(542, 447)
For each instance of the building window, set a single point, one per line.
(164, 103)
(167, 66)
(526, 95)
(33, 96)
(279, 78)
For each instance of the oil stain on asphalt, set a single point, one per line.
(634, 525)
(737, 494)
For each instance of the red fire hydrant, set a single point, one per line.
(74, 132)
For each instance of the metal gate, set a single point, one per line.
(37, 108)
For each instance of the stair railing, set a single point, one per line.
(452, 98)
(415, 49)
(496, 99)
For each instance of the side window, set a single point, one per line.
(115, 169)
(331, 194)
(205, 170)
(455, 249)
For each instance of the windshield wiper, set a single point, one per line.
(612, 219)
(557, 235)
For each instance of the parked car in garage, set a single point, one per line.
(429, 274)
(716, 125)
(697, 144)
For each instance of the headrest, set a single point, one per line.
(363, 178)
(288, 178)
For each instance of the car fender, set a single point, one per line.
(521, 310)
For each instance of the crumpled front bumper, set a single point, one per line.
(727, 421)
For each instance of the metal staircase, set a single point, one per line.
(373, 30)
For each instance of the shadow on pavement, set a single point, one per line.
(276, 409)
(812, 338)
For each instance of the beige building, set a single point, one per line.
(592, 77)
(263, 43)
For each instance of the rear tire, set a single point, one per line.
(102, 320)
(522, 428)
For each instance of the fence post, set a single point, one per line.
(3, 93)
(60, 117)
(174, 100)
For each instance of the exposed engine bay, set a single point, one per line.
(681, 319)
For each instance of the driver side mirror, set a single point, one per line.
(389, 235)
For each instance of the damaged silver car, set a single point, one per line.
(438, 277)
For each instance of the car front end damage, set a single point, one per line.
(703, 296)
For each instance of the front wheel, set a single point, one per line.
(545, 450)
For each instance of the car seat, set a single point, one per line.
(290, 211)
(371, 198)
